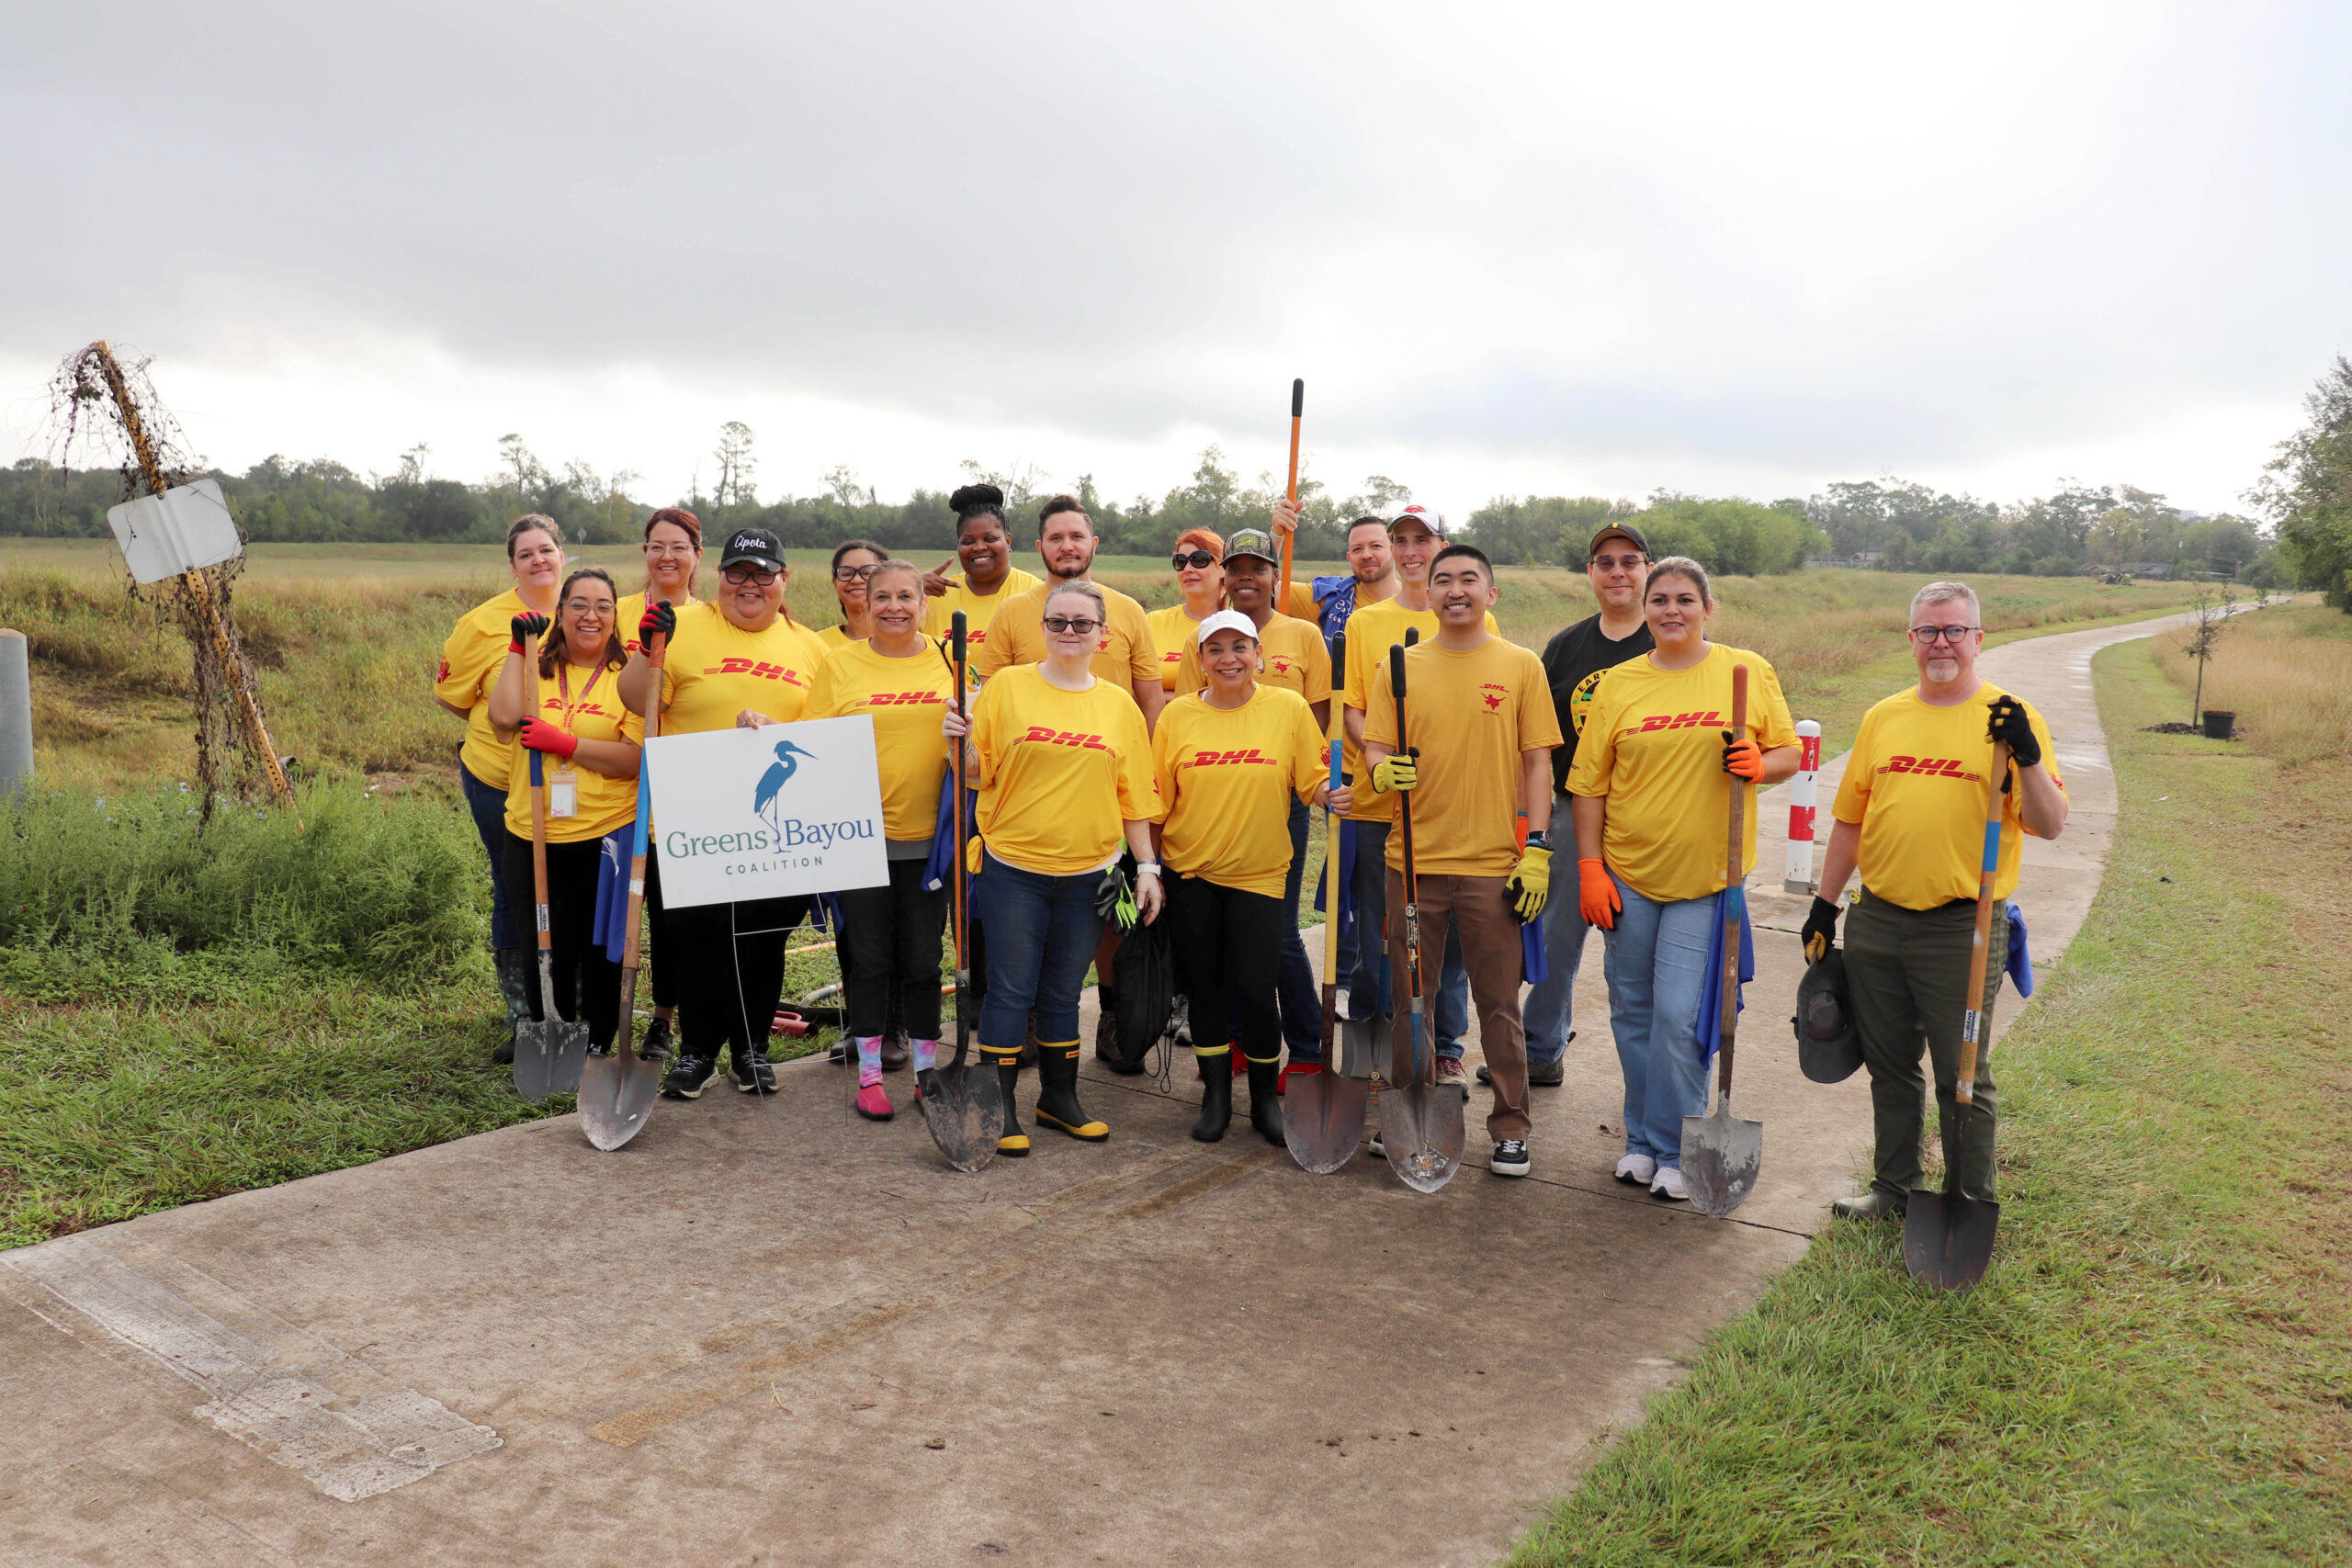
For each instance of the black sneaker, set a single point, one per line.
(1510, 1157)
(686, 1080)
(758, 1077)
(659, 1041)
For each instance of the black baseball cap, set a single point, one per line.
(756, 546)
(1621, 531)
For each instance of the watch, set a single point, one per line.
(1535, 839)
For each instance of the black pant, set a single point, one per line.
(730, 964)
(581, 971)
(892, 943)
(660, 957)
(1232, 943)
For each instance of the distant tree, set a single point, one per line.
(2223, 544)
(526, 474)
(1544, 527)
(1730, 536)
(2306, 490)
(738, 469)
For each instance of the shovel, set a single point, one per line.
(1420, 1120)
(1720, 1152)
(548, 1054)
(1323, 1121)
(1948, 1235)
(618, 1086)
(964, 1111)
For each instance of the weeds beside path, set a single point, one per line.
(2158, 1369)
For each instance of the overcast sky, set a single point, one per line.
(1557, 248)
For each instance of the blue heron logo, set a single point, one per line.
(779, 772)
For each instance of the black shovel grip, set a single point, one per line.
(1298, 397)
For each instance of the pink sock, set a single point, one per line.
(869, 1059)
(926, 1054)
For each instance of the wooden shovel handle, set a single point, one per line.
(1972, 1020)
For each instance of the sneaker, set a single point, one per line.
(1180, 1021)
(659, 1041)
(1377, 1146)
(1636, 1170)
(1451, 1071)
(1510, 1157)
(1540, 1074)
(1668, 1184)
(758, 1077)
(686, 1078)
(1296, 1070)
(1871, 1205)
(874, 1104)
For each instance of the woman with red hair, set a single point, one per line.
(1200, 572)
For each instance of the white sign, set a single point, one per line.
(767, 813)
(187, 527)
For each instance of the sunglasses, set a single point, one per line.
(739, 574)
(1941, 634)
(1196, 561)
(1068, 625)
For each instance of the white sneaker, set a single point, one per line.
(1636, 1169)
(1670, 1184)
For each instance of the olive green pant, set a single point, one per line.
(1908, 972)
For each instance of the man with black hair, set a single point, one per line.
(1127, 658)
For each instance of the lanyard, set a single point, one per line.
(563, 689)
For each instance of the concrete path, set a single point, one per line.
(770, 1332)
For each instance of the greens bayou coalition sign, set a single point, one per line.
(767, 813)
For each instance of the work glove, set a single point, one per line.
(525, 626)
(541, 735)
(658, 620)
(1597, 896)
(1530, 883)
(1114, 900)
(1394, 774)
(1742, 758)
(2012, 722)
(1820, 929)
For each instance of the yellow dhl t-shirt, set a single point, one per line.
(1126, 656)
(1170, 629)
(980, 609)
(630, 610)
(1471, 713)
(1916, 783)
(470, 661)
(1371, 632)
(906, 698)
(586, 703)
(1653, 744)
(1296, 659)
(1226, 779)
(836, 636)
(714, 669)
(1063, 771)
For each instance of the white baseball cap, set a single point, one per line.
(1228, 620)
(1433, 521)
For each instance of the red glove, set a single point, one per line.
(525, 626)
(541, 735)
(1597, 897)
(1743, 758)
(658, 620)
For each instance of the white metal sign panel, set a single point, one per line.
(767, 813)
(186, 527)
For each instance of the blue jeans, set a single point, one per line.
(1657, 965)
(1042, 933)
(1450, 1008)
(1549, 1014)
(489, 809)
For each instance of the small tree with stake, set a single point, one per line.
(2211, 609)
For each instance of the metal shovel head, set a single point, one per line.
(549, 1057)
(1323, 1119)
(618, 1088)
(964, 1110)
(1947, 1238)
(1421, 1131)
(1721, 1154)
(1363, 1047)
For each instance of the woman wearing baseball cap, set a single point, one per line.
(1063, 764)
(1231, 758)
(1200, 573)
(740, 659)
(1647, 793)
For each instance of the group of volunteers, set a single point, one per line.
(1132, 767)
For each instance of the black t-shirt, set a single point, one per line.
(1574, 661)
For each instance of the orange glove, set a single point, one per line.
(1743, 758)
(1597, 896)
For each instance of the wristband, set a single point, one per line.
(1535, 839)
(1148, 868)
(515, 647)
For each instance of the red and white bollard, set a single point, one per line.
(1798, 877)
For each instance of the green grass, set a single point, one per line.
(2158, 1368)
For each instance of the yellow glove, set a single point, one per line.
(1530, 883)
(1394, 774)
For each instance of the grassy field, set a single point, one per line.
(2158, 1369)
(2284, 672)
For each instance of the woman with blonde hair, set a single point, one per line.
(672, 560)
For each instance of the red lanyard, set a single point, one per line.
(563, 688)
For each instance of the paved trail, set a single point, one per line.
(775, 1334)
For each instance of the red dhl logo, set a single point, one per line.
(1228, 759)
(1493, 695)
(1940, 767)
(1052, 736)
(885, 699)
(764, 670)
(1711, 720)
(445, 670)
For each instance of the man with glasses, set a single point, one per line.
(1910, 818)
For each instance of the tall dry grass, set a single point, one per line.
(2286, 672)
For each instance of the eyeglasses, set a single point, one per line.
(1070, 625)
(585, 607)
(853, 573)
(739, 574)
(1611, 563)
(661, 549)
(1196, 561)
(1943, 633)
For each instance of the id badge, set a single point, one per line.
(563, 793)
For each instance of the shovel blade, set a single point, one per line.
(1364, 1047)
(964, 1110)
(536, 1050)
(1323, 1120)
(1947, 1238)
(1721, 1156)
(1421, 1131)
(618, 1088)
